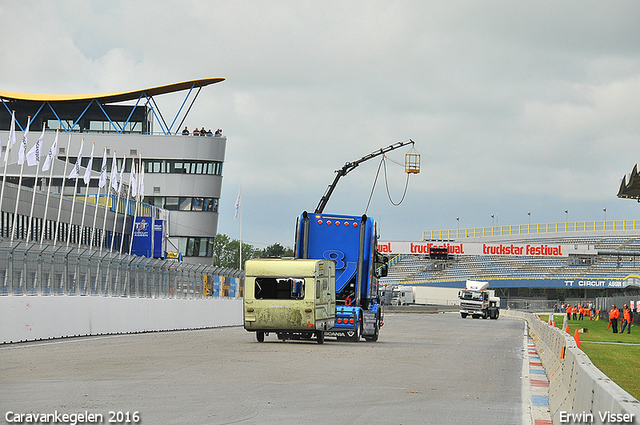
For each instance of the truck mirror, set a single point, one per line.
(384, 270)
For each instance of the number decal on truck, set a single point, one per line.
(348, 268)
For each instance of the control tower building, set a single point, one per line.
(182, 172)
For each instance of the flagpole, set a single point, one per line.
(106, 203)
(75, 190)
(53, 151)
(10, 143)
(21, 154)
(136, 197)
(38, 147)
(64, 178)
(115, 220)
(126, 209)
(238, 208)
(240, 268)
(87, 180)
(103, 171)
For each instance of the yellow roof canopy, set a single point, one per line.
(104, 98)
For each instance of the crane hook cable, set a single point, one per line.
(375, 181)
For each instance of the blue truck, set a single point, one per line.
(351, 242)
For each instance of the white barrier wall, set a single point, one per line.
(25, 318)
(575, 384)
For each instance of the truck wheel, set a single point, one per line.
(320, 336)
(374, 337)
(464, 315)
(260, 336)
(484, 314)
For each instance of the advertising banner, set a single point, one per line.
(158, 239)
(480, 248)
(141, 242)
(540, 283)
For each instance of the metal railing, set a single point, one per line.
(530, 305)
(48, 270)
(530, 229)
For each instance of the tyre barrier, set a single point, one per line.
(576, 386)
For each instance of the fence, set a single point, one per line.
(28, 268)
(632, 299)
(529, 305)
(531, 229)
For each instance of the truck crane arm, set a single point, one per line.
(350, 166)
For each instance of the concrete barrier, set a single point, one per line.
(29, 318)
(576, 386)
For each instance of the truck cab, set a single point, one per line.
(477, 301)
(351, 243)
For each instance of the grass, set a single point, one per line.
(619, 362)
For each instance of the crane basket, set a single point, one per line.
(412, 162)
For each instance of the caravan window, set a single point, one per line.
(273, 288)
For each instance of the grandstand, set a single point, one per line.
(609, 258)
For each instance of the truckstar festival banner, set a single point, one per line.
(477, 248)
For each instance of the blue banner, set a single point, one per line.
(158, 239)
(141, 243)
(568, 283)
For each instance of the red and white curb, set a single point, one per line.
(535, 386)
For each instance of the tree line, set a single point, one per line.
(226, 252)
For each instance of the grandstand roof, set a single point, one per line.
(104, 98)
(630, 185)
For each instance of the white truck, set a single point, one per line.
(477, 301)
(398, 295)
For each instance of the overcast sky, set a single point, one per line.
(515, 107)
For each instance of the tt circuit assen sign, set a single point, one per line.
(477, 248)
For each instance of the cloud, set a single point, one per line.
(514, 107)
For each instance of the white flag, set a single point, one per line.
(114, 173)
(121, 177)
(103, 170)
(75, 173)
(142, 180)
(87, 172)
(53, 151)
(238, 202)
(133, 182)
(12, 136)
(23, 145)
(34, 154)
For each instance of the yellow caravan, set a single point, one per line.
(293, 298)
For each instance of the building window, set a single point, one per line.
(174, 203)
(196, 247)
(211, 204)
(197, 204)
(171, 203)
(173, 166)
(185, 204)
